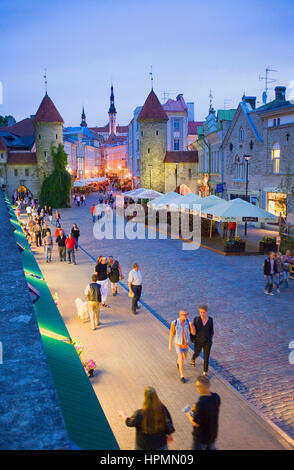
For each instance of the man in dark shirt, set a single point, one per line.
(204, 416)
(60, 240)
(102, 277)
(203, 338)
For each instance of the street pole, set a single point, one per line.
(176, 177)
(246, 158)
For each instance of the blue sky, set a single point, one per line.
(193, 46)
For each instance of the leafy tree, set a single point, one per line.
(55, 191)
(4, 120)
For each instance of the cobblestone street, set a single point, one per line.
(252, 330)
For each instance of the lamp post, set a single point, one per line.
(150, 168)
(246, 158)
(176, 172)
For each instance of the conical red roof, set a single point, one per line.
(47, 111)
(152, 109)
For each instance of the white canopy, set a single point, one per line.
(134, 192)
(188, 200)
(149, 194)
(239, 211)
(85, 182)
(165, 200)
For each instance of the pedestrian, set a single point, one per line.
(202, 339)
(287, 260)
(48, 243)
(75, 233)
(102, 277)
(83, 200)
(270, 271)
(29, 212)
(70, 249)
(38, 234)
(114, 274)
(225, 229)
(153, 423)
(44, 231)
(93, 212)
(280, 277)
(108, 212)
(78, 199)
(181, 329)
(204, 416)
(50, 214)
(135, 286)
(57, 217)
(93, 294)
(60, 240)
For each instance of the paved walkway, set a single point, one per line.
(252, 330)
(132, 352)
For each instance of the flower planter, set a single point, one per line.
(234, 248)
(267, 246)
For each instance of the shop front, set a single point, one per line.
(277, 204)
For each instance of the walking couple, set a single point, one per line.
(200, 332)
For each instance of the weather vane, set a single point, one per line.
(151, 77)
(45, 79)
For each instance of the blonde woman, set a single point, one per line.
(153, 423)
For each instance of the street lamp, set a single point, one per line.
(246, 158)
(176, 175)
(150, 168)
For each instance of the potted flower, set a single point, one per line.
(89, 367)
(267, 244)
(234, 245)
(79, 347)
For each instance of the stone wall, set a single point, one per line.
(152, 151)
(184, 176)
(46, 134)
(30, 181)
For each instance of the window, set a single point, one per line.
(141, 133)
(241, 134)
(39, 136)
(15, 172)
(2, 155)
(27, 172)
(176, 124)
(176, 144)
(276, 154)
(137, 145)
(1, 171)
(148, 150)
(190, 173)
(157, 132)
(56, 136)
(239, 168)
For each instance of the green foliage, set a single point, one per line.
(55, 191)
(4, 120)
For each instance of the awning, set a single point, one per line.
(84, 418)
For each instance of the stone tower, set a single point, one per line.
(112, 114)
(153, 120)
(48, 131)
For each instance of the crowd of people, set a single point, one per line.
(276, 270)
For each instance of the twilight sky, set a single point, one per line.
(193, 46)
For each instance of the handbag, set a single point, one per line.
(131, 294)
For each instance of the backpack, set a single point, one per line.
(94, 294)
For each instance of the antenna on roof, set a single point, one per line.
(45, 80)
(151, 77)
(267, 80)
(210, 100)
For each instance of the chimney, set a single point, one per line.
(280, 92)
(180, 95)
(190, 107)
(251, 100)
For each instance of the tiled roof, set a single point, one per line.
(188, 156)
(275, 104)
(47, 111)
(21, 158)
(152, 109)
(193, 127)
(21, 128)
(2, 144)
(178, 105)
(105, 129)
(226, 114)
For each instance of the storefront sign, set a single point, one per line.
(220, 188)
(209, 216)
(250, 219)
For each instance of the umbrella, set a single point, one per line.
(134, 192)
(239, 211)
(188, 200)
(162, 201)
(149, 194)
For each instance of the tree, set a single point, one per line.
(55, 191)
(287, 186)
(5, 119)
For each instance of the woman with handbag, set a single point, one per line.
(153, 423)
(114, 274)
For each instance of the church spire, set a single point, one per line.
(83, 121)
(112, 114)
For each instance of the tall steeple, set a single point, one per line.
(112, 114)
(83, 121)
